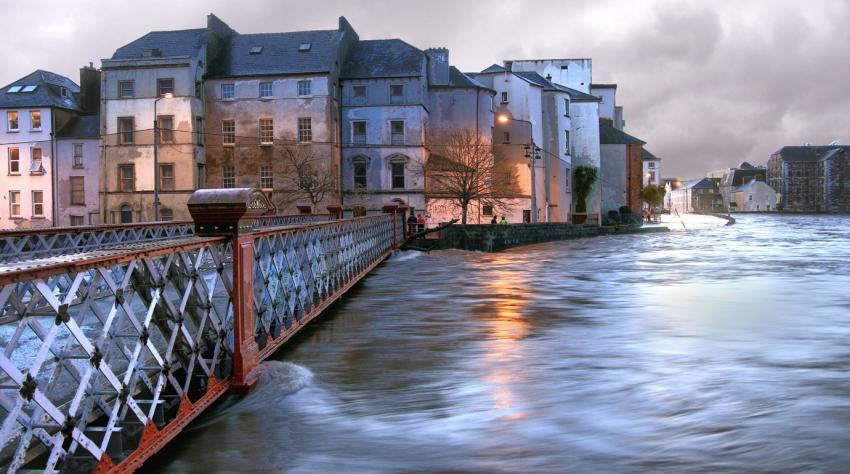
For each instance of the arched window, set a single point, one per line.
(360, 166)
(166, 214)
(126, 214)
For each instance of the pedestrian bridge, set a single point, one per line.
(114, 338)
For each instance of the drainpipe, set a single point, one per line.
(54, 178)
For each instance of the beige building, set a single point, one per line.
(754, 196)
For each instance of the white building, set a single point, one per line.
(754, 196)
(651, 169)
(33, 109)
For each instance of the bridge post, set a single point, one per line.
(391, 209)
(402, 212)
(230, 212)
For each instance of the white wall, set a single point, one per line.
(586, 148)
(607, 108)
(574, 73)
(651, 172)
(25, 139)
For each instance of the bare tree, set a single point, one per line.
(463, 170)
(306, 175)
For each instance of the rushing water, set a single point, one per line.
(725, 349)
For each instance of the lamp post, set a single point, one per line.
(156, 156)
(530, 152)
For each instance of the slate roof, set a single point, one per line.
(47, 94)
(702, 183)
(749, 185)
(280, 53)
(459, 79)
(493, 68)
(609, 135)
(81, 126)
(810, 153)
(647, 156)
(737, 177)
(383, 58)
(169, 43)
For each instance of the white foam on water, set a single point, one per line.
(405, 255)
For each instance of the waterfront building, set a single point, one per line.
(698, 195)
(33, 109)
(670, 185)
(811, 178)
(651, 168)
(78, 170)
(621, 168)
(752, 196)
(743, 174)
(608, 108)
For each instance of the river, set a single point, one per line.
(724, 349)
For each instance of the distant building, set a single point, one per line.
(621, 170)
(811, 178)
(33, 110)
(670, 185)
(743, 174)
(698, 195)
(651, 169)
(753, 196)
(608, 108)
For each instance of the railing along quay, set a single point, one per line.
(107, 355)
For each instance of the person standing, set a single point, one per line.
(411, 222)
(493, 220)
(503, 221)
(420, 221)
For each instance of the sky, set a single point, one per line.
(707, 84)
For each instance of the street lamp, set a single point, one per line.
(531, 151)
(167, 95)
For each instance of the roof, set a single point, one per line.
(737, 177)
(81, 126)
(383, 58)
(647, 156)
(493, 68)
(749, 185)
(702, 183)
(459, 79)
(281, 53)
(809, 153)
(609, 135)
(536, 78)
(169, 43)
(47, 93)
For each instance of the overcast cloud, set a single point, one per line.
(707, 84)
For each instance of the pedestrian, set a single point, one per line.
(503, 221)
(420, 221)
(493, 220)
(411, 222)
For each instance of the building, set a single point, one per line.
(811, 178)
(743, 174)
(752, 196)
(608, 108)
(78, 170)
(34, 108)
(621, 168)
(156, 78)
(670, 185)
(698, 195)
(272, 110)
(651, 169)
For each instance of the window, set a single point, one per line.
(126, 178)
(567, 142)
(303, 47)
(15, 203)
(228, 132)
(202, 176)
(228, 91)
(64, 92)
(566, 107)
(125, 130)
(651, 165)
(567, 181)
(35, 119)
(359, 94)
(397, 174)
(38, 203)
(198, 89)
(304, 87)
(504, 97)
(228, 177)
(267, 131)
(77, 158)
(199, 130)
(750, 197)
(12, 118)
(126, 89)
(166, 177)
(266, 177)
(14, 161)
(78, 191)
(487, 210)
(305, 129)
(266, 90)
(77, 221)
(35, 161)
(396, 93)
(126, 214)
(166, 214)
(358, 131)
(165, 123)
(397, 132)
(15, 89)
(360, 174)
(255, 50)
(164, 86)
(506, 137)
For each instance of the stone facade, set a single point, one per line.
(811, 178)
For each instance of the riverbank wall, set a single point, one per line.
(494, 238)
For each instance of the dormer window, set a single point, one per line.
(64, 92)
(14, 89)
(151, 53)
(255, 50)
(29, 89)
(305, 47)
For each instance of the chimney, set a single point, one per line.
(90, 89)
(509, 66)
(438, 66)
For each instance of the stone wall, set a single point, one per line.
(493, 238)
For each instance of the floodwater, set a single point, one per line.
(725, 349)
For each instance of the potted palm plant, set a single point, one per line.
(583, 178)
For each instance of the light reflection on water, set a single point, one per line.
(720, 350)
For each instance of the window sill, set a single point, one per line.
(37, 218)
(77, 167)
(228, 145)
(37, 173)
(35, 130)
(266, 144)
(14, 130)
(14, 174)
